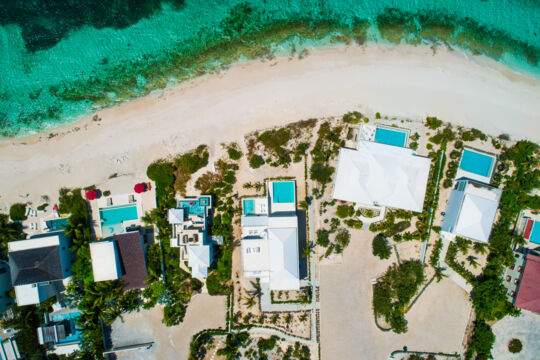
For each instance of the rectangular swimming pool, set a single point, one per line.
(532, 232)
(57, 224)
(283, 191)
(388, 136)
(248, 206)
(113, 217)
(477, 163)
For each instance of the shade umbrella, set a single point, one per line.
(139, 188)
(91, 194)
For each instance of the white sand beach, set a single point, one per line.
(397, 81)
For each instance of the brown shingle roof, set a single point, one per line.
(528, 296)
(132, 259)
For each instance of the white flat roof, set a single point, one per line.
(284, 267)
(34, 243)
(380, 174)
(255, 255)
(33, 294)
(105, 261)
(199, 260)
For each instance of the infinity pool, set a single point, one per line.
(477, 163)
(113, 217)
(395, 137)
(283, 191)
(195, 206)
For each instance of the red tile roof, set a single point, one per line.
(528, 296)
(130, 248)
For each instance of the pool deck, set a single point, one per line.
(144, 202)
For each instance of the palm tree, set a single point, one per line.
(439, 274)
(480, 248)
(472, 260)
(308, 249)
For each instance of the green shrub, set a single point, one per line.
(458, 144)
(413, 145)
(323, 238)
(344, 211)
(353, 117)
(321, 173)
(429, 146)
(380, 247)
(42, 207)
(415, 136)
(161, 172)
(515, 346)
(17, 212)
(377, 115)
(106, 193)
(342, 238)
(256, 161)
(234, 153)
(433, 123)
(354, 223)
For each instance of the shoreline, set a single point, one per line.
(403, 81)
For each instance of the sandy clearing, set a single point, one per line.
(436, 322)
(401, 81)
(204, 312)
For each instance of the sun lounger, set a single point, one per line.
(131, 199)
(109, 202)
(27, 211)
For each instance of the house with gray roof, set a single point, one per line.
(40, 267)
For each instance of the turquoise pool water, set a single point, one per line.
(388, 136)
(75, 333)
(195, 206)
(477, 163)
(249, 206)
(112, 218)
(535, 233)
(57, 224)
(61, 61)
(283, 192)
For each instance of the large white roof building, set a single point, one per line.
(270, 244)
(382, 175)
(471, 210)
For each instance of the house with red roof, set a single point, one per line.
(528, 290)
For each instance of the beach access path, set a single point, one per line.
(406, 81)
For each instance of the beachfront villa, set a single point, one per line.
(522, 281)
(189, 233)
(60, 332)
(470, 210)
(120, 258)
(40, 267)
(379, 174)
(270, 237)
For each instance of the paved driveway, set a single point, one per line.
(525, 327)
(436, 322)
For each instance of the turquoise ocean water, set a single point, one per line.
(61, 59)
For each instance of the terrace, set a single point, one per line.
(476, 165)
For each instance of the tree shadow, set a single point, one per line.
(302, 241)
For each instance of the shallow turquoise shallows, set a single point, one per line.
(283, 192)
(391, 136)
(71, 60)
(477, 163)
(112, 218)
(249, 207)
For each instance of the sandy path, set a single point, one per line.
(436, 322)
(404, 81)
(204, 312)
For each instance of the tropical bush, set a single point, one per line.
(380, 247)
(256, 161)
(323, 238)
(515, 346)
(17, 212)
(345, 211)
(353, 117)
(433, 123)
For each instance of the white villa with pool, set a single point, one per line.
(270, 237)
(377, 174)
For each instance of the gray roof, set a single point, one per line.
(35, 265)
